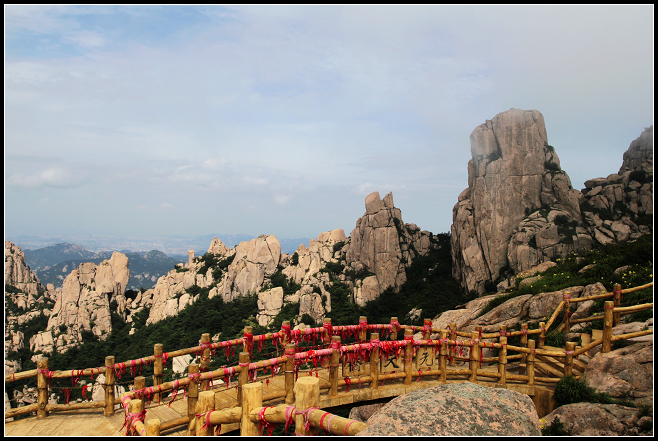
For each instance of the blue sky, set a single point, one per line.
(193, 120)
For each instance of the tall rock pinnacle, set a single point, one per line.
(512, 174)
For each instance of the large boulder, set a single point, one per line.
(625, 373)
(516, 191)
(461, 409)
(592, 419)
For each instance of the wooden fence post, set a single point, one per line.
(363, 328)
(408, 354)
(136, 406)
(453, 337)
(192, 391)
(374, 360)
(333, 366)
(502, 361)
(290, 373)
(285, 328)
(396, 327)
(524, 341)
(204, 363)
(607, 326)
(474, 356)
(205, 404)
(568, 361)
(42, 387)
(542, 335)
(530, 366)
(243, 376)
(109, 385)
(427, 324)
(140, 383)
(566, 296)
(326, 331)
(616, 317)
(158, 369)
(153, 427)
(252, 398)
(443, 352)
(248, 342)
(307, 395)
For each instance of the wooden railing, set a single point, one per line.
(387, 359)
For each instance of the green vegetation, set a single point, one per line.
(556, 428)
(569, 390)
(635, 256)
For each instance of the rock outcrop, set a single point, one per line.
(381, 244)
(463, 409)
(592, 419)
(625, 373)
(515, 187)
(520, 209)
(25, 300)
(254, 261)
(619, 207)
(84, 304)
(19, 276)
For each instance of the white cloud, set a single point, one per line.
(166, 205)
(51, 177)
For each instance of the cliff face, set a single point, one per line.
(383, 245)
(520, 209)
(84, 304)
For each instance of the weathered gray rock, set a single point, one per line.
(625, 198)
(513, 174)
(462, 409)
(625, 373)
(383, 245)
(592, 419)
(363, 413)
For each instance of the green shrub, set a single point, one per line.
(569, 390)
(556, 428)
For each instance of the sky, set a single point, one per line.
(163, 121)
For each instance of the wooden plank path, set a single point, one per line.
(92, 422)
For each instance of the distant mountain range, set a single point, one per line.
(176, 247)
(53, 263)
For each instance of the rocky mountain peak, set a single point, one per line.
(520, 209)
(382, 244)
(84, 304)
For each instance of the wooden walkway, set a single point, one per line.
(92, 422)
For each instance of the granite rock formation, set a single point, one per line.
(593, 419)
(381, 244)
(520, 209)
(84, 304)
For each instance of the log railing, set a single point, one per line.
(433, 357)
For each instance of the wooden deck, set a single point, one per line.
(92, 422)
